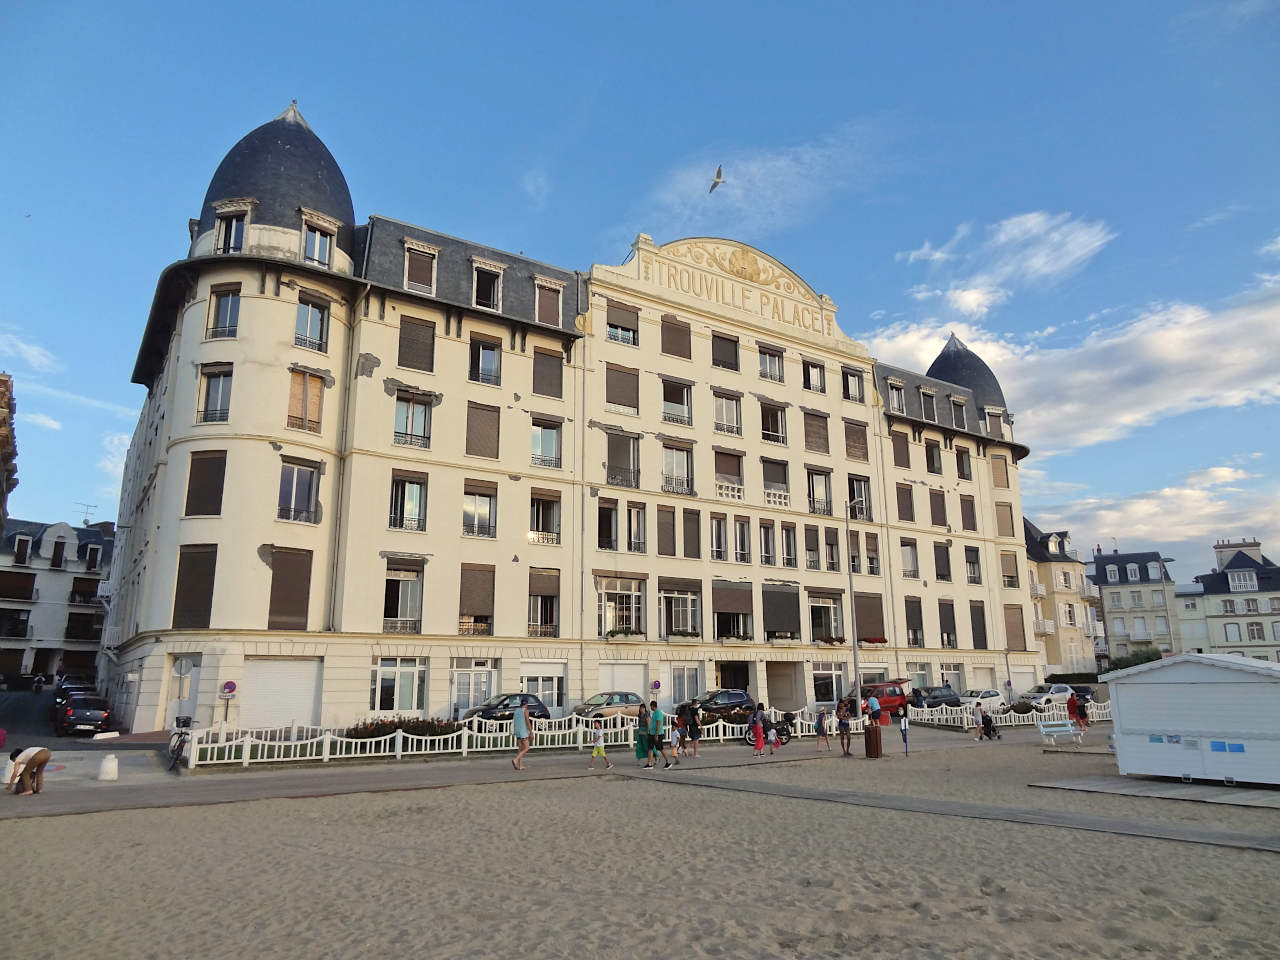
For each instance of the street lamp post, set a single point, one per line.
(853, 619)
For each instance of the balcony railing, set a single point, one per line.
(481, 376)
(1044, 627)
(1038, 589)
(812, 562)
(911, 574)
(542, 460)
(399, 521)
(214, 415)
(742, 556)
(1090, 590)
(622, 477)
(729, 488)
(788, 561)
(820, 507)
(677, 415)
(544, 629)
(915, 639)
(719, 553)
(302, 423)
(1138, 636)
(777, 496)
(422, 440)
(608, 543)
(671, 484)
(544, 536)
(79, 597)
(620, 335)
(394, 625)
(950, 643)
(974, 577)
(635, 545)
(221, 333)
(467, 629)
(767, 374)
(301, 514)
(773, 436)
(475, 528)
(731, 428)
(320, 346)
(1009, 581)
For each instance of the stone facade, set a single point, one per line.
(1137, 595)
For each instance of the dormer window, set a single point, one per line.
(487, 284)
(1054, 545)
(993, 423)
(957, 414)
(1242, 581)
(92, 556)
(317, 246)
(1131, 571)
(1153, 571)
(1113, 573)
(929, 406)
(419, 266)
(230, 237)
(21, 550)
(897, 398)
(548, 310)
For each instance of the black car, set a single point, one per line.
(82, 715)
(940, 697)
(502, 706)
(716, 703)
(1083, 692)
(63, 694)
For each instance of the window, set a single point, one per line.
(484, 425)
(217, 394)
(932, 457)
(1189, 604)
(728, 411)
(852, 384)
(1066, 580)
(93, 554)
(475, 600)
(938, 508)
(1233, 632)
(676, 406)
(417, 348)
(724, 352)
(230, 236)
(873, 555)
(306, 393)
(777, 485)
(544, 619)
(859, 497)
(1157, 597)
(486, 362)
(968, 513)
(22, 548)
(1153, 571)
(742, 540)
(901, 451)
(1275, 604)
(1070, 610)
(910, 560)
(815, 376)
(824, 619)
(635, 528)
(675, 337)
(972, 565)
(832, 541)
(1239, 581)
(402, 601)
(1162, 624)
(204, 485)
(677, 470)
(732, 626)
(622, 323)
(915, 621)
(1251, 605)
(193, 592)
(957, 414)
(1135, 598)
(419, 269)
(544, 520)
(622, 388)
(919, 674)
(929, 406)
(947, 630)
(812, 558)
(1228, 606)
(1255, 632)
(855, 441)
(692, 534)
(398, 683)
(545, 444)
(1009, 569)
(906, 503)
(548, 305)
(788, 545)
(317, 246)
(770, 366)
(719, 538)
(828, 681)
(1004, 519)
(684, 682)
(413, 421)
(487, 289)
(773, 423)
(479, 511)
(820, 493)
(290, 589)
(728, 467)
(1140, 628)
(311, 328)
(681, 616)
(408, 503)
(1115, 598)
(1131, 571)
(768, 553)
(298, 487)
(993, 424)
(607, 525)
(855, 552)
(224, 315)
(815, 433)
(942, 562)
(619, 606)
(1000, 471)
(1118, 627)
(1113, 574)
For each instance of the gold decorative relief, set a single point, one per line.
(741, 264)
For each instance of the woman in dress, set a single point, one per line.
(757, 730)
(642, 736)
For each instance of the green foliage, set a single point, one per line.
(417, 726)
(1133, 659)
(1071, 678)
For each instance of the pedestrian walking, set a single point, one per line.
(693, 727)
(597, 747)
(771, 734)
(656, 719)
(844, 727)
(677, 738)
(977, 720)
(757, 730)
(1082, 708)
(1074, 711)
(642, 737)
(820, 728)
(520, 727)
(28, 769)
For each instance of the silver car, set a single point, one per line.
(608, 704)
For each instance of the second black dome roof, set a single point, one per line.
(959, 365)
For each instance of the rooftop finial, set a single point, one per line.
(293, 115)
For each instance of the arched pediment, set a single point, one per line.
(745, 264)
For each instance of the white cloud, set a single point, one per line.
(1271, 249)
(39, 389)
(537, 187)
(927, 253)
(1170, 360)
(1035, 484)
(922, 291)
(40, 420)
(34, 355)
(1267, 281)
(1217, 477)
(877, 315)
(1218, 216)
(976, 301)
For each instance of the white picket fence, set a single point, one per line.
(963, 716)
(222, 745)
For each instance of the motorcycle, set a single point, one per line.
(782, 727)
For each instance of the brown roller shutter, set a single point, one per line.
(915, 617)
(968, 516)
(666, 532)
(544, 582)
(692, 534)
(938, 508)
(549, 306)
(21, 551)
(947, 617)
(869, 612)
(729, 597)
(873, 544)
(290, 589)
(906, 505)
(1009, 565)
(621, 315)
(724, 352)
(993, 424)
(942, 561)
(548, 374)
(978, 623)
(85, 586)
(193, 593)
(17, 586)
(315, 393)
(204, 483)
(1000, 471)
(815, 433)
(622, 386)
(59, 554)
(475, 597)
(417, 344)
(1014, 634)
(775, 472)
(855, 441)
(1004, 519)
(901, 452)
(479, 486)
(297, 390)
(831, 536)
(781, 608)
(811, 538)
(728, 465)
(675, 338)
(680, 583)
(421, 270)
(482, 430)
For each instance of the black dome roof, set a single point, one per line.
(959, 365)
(282, 165)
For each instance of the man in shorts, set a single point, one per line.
(28, 769)
(656, 720)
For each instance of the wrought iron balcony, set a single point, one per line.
(302, 423)
(820, 507)
(214, 415)
(544, 629)
(544, 536)
(635, 544)
(771, 436)
(673, 484)
(608, 543)
(622, 477)
(221, 333)
(301, 514)
(422, 440)
(483, 376)
(469, 629)
(542, 460)
(401, 522)
(734, 429)
(678, 415)
(475, 528)
(394, 625)
(320, 346)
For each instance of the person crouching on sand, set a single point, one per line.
(28, 769)
(597, 747)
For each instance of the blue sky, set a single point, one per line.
(1087, 194)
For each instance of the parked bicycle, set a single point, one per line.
(178, 741)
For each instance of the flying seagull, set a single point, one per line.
(719, 178)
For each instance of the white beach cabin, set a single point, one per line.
(1198, 716)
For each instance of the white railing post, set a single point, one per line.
(399, 744)
(191, 754)
(631, 734)
(248, 747)
(324, 751)
(579, 727)
(466, 731)
(293, 731)
(222, 731)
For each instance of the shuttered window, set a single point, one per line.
(978, 623)
(724, 352)
(420, 270)
(729, 597)
(1004, 519)
(193, 592)
(548, 374)
(475, 596)
(417, 344)
(775, 474)
(729, 465)
(544, 582)
(21, 550)
(914, 613)
(1000, 471)
(622, 387)
(937, 508)
(968, 515)
(1009, 568)
(204, 483)
(993, 424)
(1014, 633)
(855, 441)
(781, 608)
(906, 505)
(942, 562)
(482, 430)
(675, 338)
(901, 452)
(290, 589)
(692, 534)
(666, 532)
(868, 610)
(947, 618)
(17, 586)
(306, 393)
(548, 306)
(815, 433)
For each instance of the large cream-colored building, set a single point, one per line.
(384, 470)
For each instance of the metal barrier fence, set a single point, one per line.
(963, 716)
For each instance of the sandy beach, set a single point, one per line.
(622, 867)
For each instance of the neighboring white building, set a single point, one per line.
(51, 613)
(1238, 610)
(1137, 595)
(1063, 598)
(1193, 627)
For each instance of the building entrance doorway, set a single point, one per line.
(732, 674)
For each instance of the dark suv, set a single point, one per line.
(502, 706)
(940, 696)
(717, 703)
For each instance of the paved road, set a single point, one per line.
(24, 716)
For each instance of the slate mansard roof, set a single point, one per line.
(958, 364)
(1267, 573)
(1121, 560)
(85, 537)
(1037, 542)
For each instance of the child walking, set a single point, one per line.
(820, 727)
(597, 747)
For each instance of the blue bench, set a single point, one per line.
(1051, 730)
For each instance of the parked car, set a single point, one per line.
(75, 680)
(943, 696)
(1043, 694)
(890, 693)
(716, 703)
(992, 700)
(501, 706)
(1083, 692)
(609, 704)
(82, 715)
(63, 694)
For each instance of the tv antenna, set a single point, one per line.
(88, 509)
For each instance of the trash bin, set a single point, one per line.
(871, 741)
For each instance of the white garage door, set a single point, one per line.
(1024, 678)
(627, 677)
(279, 692)
(983, 677)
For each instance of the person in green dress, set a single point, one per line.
(642, 736)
